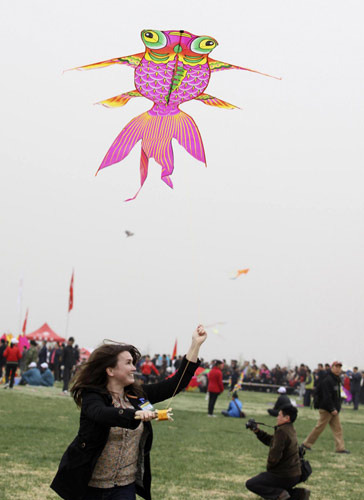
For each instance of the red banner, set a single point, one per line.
(70, 301)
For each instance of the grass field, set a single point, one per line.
(194, 457)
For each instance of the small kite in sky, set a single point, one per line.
(174, 68)
(239, 272)
(128, 233)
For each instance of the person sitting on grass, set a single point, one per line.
(46, 375)
(110, 456)
(235, 408)
(31, 376)
(282, 400)
(283, 465)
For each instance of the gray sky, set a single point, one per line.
(282, 194)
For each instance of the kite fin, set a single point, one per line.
(133, 61)
(214, 101)
(156, 133)
(221, 66)
(119, 100)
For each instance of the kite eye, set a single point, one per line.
(154, 39)
(203, 45)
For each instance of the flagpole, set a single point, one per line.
(68, 317)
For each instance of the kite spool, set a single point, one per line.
(165, 414)
(161, 415)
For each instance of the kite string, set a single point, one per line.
(179, 382)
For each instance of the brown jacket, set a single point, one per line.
(283, 458)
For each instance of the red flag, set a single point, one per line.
(174, 354)
(25, 322)
(70, 301)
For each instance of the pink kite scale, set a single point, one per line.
(175, 68)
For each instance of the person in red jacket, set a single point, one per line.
(215, 386)
(147, 368)
(12, 356)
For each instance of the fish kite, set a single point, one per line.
(174, 68)
(239, 272)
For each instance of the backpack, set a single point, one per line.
(306, 469)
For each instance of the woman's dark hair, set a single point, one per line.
(217, 362)
(92, 374)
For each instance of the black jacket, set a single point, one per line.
(283, 458)
(97, 416)
(329, 397)
(68, 357)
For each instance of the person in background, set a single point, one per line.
(283, 400)
(68, 362)
(355, 383)
(23, 360)
(235, 408)
(147, 368)
(42, 354)
(329, 404)
(31, 355)
(3, 346)
(283, 464)
(54, 361)
(215, 386)
(77, 354)
(47, 378)
(12, 356)
(31, 376)
(308, 388)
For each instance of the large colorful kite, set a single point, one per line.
(174, 68)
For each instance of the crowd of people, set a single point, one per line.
(41, 364)
(62, 361)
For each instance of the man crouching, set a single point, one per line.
(283, 465)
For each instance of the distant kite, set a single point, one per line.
(129, 233)
(174, 68)
(239, 272)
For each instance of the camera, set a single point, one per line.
(251, 424)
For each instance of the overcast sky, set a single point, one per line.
(282, 194)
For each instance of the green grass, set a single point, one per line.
(193, 457)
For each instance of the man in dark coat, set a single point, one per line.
(329, 408)
(283, 400)
(283, 464)
(3, 346)
(355, 383)
(42, 354)
(68, 361)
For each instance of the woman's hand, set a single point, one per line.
(198, 337)
(146, 415)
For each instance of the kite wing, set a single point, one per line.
(210, 100)
(120, 100)
(133, 61)
(222, 66)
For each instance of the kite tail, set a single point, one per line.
(156, 133)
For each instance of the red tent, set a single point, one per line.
(45, 332)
